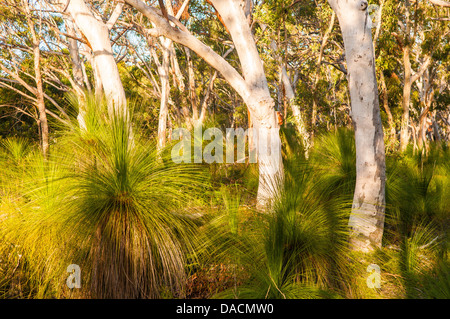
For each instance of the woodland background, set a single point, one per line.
(140, 226)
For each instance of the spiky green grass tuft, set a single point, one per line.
(108, 202)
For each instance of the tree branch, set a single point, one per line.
(440, 3)
(188, 40)
(422, 69)
(115, 15)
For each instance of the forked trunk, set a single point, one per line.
(252, 87)
(258, 100)
(97, 35)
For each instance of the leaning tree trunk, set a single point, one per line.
(367, 216)
(163, 70)
(77, 72)
(252, 87)
(422, 140)
(258, 100)
(97, 35)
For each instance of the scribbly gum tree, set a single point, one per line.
(367, 216)
(251, 85)
(96, 33)
(258, 98)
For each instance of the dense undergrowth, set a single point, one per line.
(140, 226)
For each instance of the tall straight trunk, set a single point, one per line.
(386, 106)
(295, 108)
(404, 131)
(204, 104)
(426, 96)
(74, 53)
(367, 216)
(421, 139)
(163, 70)
(98, 84)
(317, 75)
(97, 35)
(289, 98)
(40, 102)
(192, 94)
(437, 135)
(168, 56)
(77, 73)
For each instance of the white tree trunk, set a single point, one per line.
(163, 70)
(367, 217)
(252, 87)
(404, 131)
(77, 72)
(289, 91)
(290, 95)
(259, 101)
(97, 34)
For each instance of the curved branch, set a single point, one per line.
(188, 40)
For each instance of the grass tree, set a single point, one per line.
(120, 214)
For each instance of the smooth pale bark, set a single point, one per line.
(163, 28)
(179, 78)
(427, 93)
(404, 132)
(168, 56)
(440, 3)
(77, 72)
(289, 94)
(163, 70)
(295, 108)
(384, 90)
(367, 216)
(423, 121)
(437, 135)
(77, 69)
(260, 103)
(97, 34)
(191, 81)
(204, 104)
(252, 87)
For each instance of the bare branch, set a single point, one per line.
(115, 15)
(441, 3)
(422, 69)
